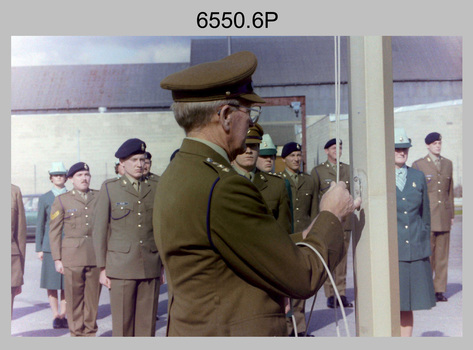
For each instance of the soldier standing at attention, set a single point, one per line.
(323, 175)
(124, 245)
(51, 280)
(229, 264)
(304, 210)
(438, 172)
(73, 254)
(271, 186)
(18, 242)
(147, 174)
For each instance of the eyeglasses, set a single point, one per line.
(253, 112)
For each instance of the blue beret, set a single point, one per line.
(130, 147)
(331, 143)
(77, 167)
(432, 137)
(289, 148)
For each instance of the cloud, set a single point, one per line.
(71, 50)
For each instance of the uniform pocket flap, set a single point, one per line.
(71, 242)
(119, 246)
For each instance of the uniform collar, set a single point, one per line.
(212, 145)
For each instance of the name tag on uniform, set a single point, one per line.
(71, 210)
(121, 203)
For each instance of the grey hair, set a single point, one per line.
(193, 115)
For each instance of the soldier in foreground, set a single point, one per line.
(124, 245)
(73, 253)
(220, 244)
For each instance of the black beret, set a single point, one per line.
(77, 167)
(148, 155)
(289, 148)
(432, 137)
(331, 143)
(227, 78)
(130, 147)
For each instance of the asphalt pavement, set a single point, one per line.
(32, 316)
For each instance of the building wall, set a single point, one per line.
(39, 140)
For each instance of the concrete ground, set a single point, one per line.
(32, 316)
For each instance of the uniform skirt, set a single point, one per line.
(416, 286)
(50, 278)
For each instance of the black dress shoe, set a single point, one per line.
(331, 302)
(440, 297)
(57, 323)
(64, 323)
(345, 301)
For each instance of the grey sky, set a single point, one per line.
(68, 50)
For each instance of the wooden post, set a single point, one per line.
(375, 250)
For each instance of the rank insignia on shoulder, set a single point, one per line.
(54, 215)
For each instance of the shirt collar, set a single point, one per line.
(212, 145)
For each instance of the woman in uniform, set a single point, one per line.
(416, 287)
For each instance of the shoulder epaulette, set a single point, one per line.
(220, 168)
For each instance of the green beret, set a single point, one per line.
(255, 134)
(267, 147)
(227, 78)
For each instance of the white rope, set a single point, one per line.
(342, 309)
(337, 101)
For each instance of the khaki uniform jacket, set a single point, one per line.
(228, 262)
(71, 213)
(323, 174)
(18, 237)
(275, 195)
(304, 200)
(123, 230)
(440, 186)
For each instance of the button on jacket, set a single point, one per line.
(126, 215)
(274, 192)
(413, 218)
(228, 262)
(304, 200)
(323, 174)
(440, 185)
(75, 215)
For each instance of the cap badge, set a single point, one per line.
(298, 146)
(414, 184)
(143, 147)
(401, 139)
(86, 167)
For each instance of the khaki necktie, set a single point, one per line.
(295, 178)
(136, 186)
(437, 163)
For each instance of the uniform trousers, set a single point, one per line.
(440, 246)
(340, 273)
(82, 290)
(134, 304)
(298, 309)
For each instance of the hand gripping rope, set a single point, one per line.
(336, 293)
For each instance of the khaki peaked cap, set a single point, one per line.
(227, 78)
(255, 134)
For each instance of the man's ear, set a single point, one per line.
(225, 115)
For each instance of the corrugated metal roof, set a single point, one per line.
(310, 60)
(91, 86)
(282, 61)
